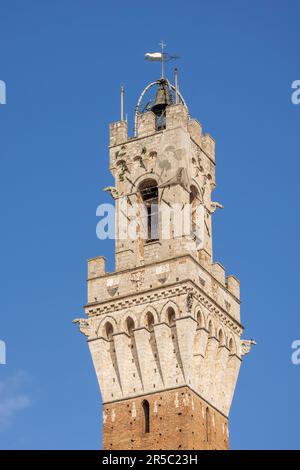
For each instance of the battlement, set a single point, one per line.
(118, 133)
(176, 116)
(171, 321)
(195, 130)
(146, 124)
(105, 287)
(96, 267)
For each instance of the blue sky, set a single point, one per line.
(63, 63)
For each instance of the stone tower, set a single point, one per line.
(164, 329)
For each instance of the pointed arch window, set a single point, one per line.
(149, 321)
(171, 316)
(109, 331)
(130, 326)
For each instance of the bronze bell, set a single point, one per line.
(162, 99)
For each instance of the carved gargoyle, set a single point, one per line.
(214, 206)
(246, 345)
(113, 191)
(84, 325)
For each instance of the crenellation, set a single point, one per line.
(118, 132)
(146, 124)
(208, 146)
(233, 285)
(195, 130)
(176, 116)
(218, 272)
(96, 267)
(161, 273)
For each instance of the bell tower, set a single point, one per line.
(164, 329)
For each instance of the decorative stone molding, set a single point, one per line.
(177, 290)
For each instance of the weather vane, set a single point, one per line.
(160, 56)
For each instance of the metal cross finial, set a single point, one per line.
(162, 45)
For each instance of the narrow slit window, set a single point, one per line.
(146, 409)
(207, 424)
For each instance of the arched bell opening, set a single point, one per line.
(165, 95)
(163, 99)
